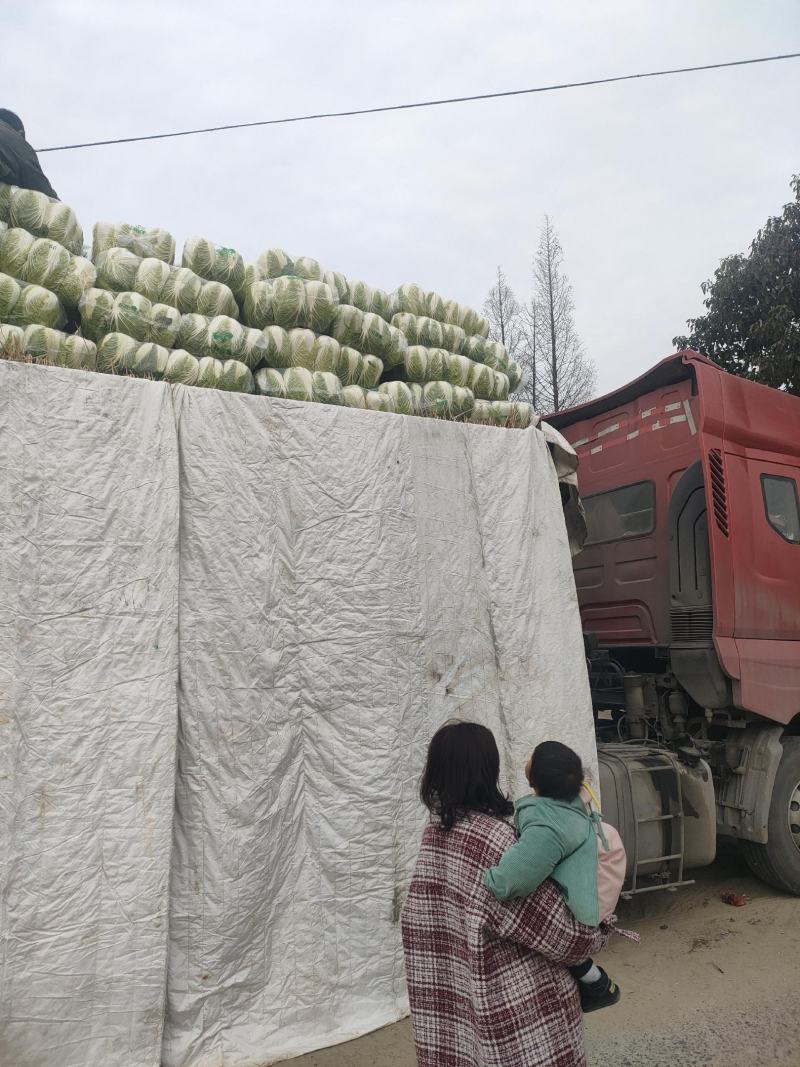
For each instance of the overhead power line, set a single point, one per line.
(421, 103)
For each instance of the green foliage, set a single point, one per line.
(752, 323)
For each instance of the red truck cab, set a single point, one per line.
(690, 581)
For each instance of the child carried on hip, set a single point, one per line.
(563, 838)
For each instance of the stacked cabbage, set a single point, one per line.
(40, 344)
(40, 261)
(120, 270)
(284, 326)
(41, 217)
(146, 242)
(26, 305)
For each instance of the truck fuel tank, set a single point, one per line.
(664, 810)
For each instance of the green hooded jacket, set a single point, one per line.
(558, 840)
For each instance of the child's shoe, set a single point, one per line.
(600, 994)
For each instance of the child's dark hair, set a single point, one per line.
(461, 774)
(556, 771)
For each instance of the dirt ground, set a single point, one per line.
(710, 985)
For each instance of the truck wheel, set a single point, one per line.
(778, 862)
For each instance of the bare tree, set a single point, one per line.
(503, 311)
(512, 324)
(528, 353)
(564, 373)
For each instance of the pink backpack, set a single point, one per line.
(611, 859)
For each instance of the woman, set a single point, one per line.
(487, 980)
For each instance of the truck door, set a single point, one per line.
(765, 528)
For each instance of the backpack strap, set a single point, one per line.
(595, 815)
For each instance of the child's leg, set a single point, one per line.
(587, 972)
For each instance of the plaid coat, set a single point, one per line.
(486, 979)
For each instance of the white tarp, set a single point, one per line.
(347, 581)
(88, 657)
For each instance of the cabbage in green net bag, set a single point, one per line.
(147, 242)
(347, 325)
(131, 314)
(351, 366)
(371, 371)
(434, 306)
(495, 355)
(453, 337)
(215, 263)
(79, 277)
(209, 373)
(182, 368)
(299, 383)
(481, 412)
(258, 305)
(481, 381)
(463, 402)
(10, 292)
(38, 306)
(501, 385)
(514, 373)
(377, 401)
(270, 382)
(338, 284)
(96, 307)
(215, 298)
(514, 415)
(192, 333)
(182, 290)
(152, 278)
(116, 353)
(274, 262)
(15, 246)
(149, 360)
(236, 377)
(116, 269)
(301, 346)
(274, 347)
(458, 370)
(327, 355)
(327, 388)
(225, 338)
(250, 351)
(353, 396)
(289, 303)
(43, 217)
(410, 298)
(369, 299)
(79, 353)
(321, 306)
(43, 344)
(474, 348)
(376, 336)
(437, 399)
(164, 325)
(12, 339)
(402, 397)
(307, 268)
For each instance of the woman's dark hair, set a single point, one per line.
(556, 771)
(461, 774)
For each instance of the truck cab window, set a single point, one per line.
(619, 513)
(781, 506)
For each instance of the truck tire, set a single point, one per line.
(778, 862)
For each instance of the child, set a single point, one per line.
(558, 839)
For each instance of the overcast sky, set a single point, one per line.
(649, 183)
